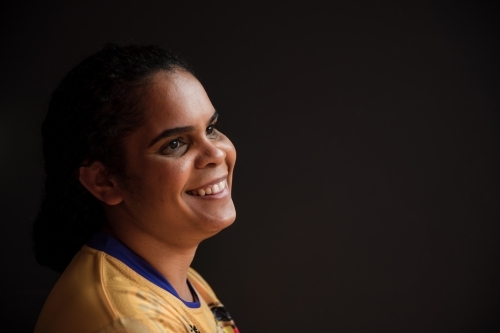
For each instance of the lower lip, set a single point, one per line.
(222, 194)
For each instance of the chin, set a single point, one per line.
(216, 224)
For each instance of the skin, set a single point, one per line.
(153, 211)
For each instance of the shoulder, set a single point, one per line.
(77, 299)
(98, 293)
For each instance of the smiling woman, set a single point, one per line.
(137, 176)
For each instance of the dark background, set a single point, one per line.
(367, 182)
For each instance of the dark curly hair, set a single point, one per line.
(94, 107)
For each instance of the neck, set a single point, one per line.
(171, 260)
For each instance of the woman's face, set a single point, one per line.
(179, 166)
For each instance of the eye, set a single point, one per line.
(174, 147)
(211, 131)
(174, 144)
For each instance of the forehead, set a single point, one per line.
(175, 97)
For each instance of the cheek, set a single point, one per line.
(168, 178)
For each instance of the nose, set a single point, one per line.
(211, 154)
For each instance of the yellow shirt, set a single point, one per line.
(109, 289)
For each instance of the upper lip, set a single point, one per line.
(212, 182)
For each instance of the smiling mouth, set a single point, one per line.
(210, 189)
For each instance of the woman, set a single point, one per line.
(137, 176)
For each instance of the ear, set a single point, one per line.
(97, 181)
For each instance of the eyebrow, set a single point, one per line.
(178, 130)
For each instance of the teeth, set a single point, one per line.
(214, 189)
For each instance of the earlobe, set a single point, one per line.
(99, 183)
